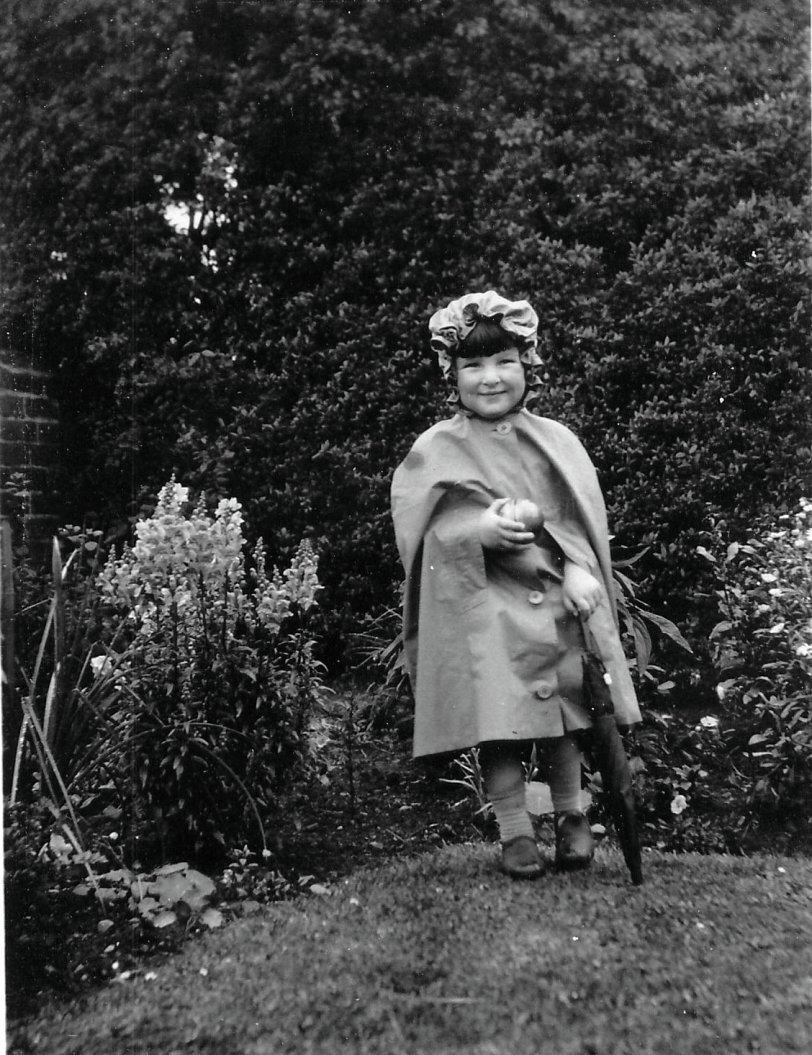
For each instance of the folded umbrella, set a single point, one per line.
(604, 744)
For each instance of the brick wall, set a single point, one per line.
(29, 441)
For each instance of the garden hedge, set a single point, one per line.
(640, 172)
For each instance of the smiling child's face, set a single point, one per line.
(491, 385)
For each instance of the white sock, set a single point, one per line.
(511, 814)
(504, 786)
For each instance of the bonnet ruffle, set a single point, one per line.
(452, 324)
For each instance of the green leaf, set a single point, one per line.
(671, 630)
(642, 643)
(163, 919)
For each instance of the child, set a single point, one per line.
(493, 603)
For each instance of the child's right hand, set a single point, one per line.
(501, 532)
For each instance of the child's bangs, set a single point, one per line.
(486, 338)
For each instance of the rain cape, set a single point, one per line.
(480, 644)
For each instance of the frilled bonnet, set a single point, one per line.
(452, 324)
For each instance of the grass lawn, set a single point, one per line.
(441, 953)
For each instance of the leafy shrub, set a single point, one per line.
(64, 692)
(56, 938)
(248, 877)
(76, 917)
(637, 171)
(762, 649)
(740, 774)
(690, 795)
(216, 673)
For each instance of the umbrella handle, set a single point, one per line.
(590, 644)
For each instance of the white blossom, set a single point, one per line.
(186, 573)
(101, 665)
(678, 805)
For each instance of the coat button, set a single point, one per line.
(503, 428)
(535, 597)
(544, 690)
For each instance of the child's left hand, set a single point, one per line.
(581, 590)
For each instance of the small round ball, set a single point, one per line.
(528, 513)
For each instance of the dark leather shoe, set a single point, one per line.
(574, 845)
(521, 858)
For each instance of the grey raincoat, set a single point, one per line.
(489, 651)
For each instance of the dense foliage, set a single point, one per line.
(638, 171)
(732, 777)
(178, 698)
(214, 671)
(763, 653)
